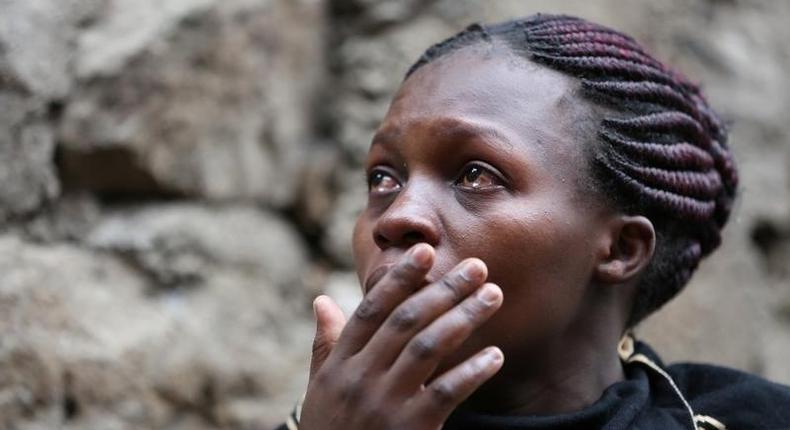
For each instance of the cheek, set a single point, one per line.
(526, 251)
(543, 269)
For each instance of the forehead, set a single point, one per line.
(487, 83)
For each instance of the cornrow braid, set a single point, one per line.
(661, 150)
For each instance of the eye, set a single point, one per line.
(478, 177)
(382, 182)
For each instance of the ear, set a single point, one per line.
(630, 247)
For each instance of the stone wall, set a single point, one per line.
(178, 179)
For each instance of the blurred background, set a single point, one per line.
(179, 178)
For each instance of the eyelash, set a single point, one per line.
(374, 171)
(500, 182)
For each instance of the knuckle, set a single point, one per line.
(352, 390)
(368, 310)
(452, 286)
(424, 347)
(322, 377)
(374, 407)
(320, 348)
(403, 271)
(472, 310)
(404, 318)
(442, 393)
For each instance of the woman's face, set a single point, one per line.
(480, 156)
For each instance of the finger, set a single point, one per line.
(424, 352)
(401, 280)
(446, 392)
(421, 309)
(329, 324)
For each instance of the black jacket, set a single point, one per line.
(680, 396)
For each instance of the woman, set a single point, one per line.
(537, 188)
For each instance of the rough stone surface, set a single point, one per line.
(85, 341)
(179, 178)
(182, 245)
(236, 128)
(27, 175)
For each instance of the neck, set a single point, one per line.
(566, 388)
(570, 373)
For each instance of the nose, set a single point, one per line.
(410, 219)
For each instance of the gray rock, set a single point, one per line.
(84, 345)
(124, 29)
(344, 289)
(35, 38)
(209, 99)
(340, 221)
(35, 70)
(183, 244)
(70, 218)
(317, 188)
(27, 175)
(372, 68)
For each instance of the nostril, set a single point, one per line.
(380, 240)
(413, 237)
(408, 238)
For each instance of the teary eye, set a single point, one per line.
(477, 177)
(381, 182)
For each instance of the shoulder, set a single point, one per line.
(738, 399)
(718, 397)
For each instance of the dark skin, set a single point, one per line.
(478, 166)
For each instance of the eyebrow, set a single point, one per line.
(386, 136)
(448, 129)
(452, 129)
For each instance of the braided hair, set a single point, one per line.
(661, 151)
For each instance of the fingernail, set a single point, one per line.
(420, 256)
(494, 355)
(472, 270)
(316, 303)
(488, 294)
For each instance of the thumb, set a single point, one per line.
(329, 323)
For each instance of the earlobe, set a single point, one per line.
(631, 245)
